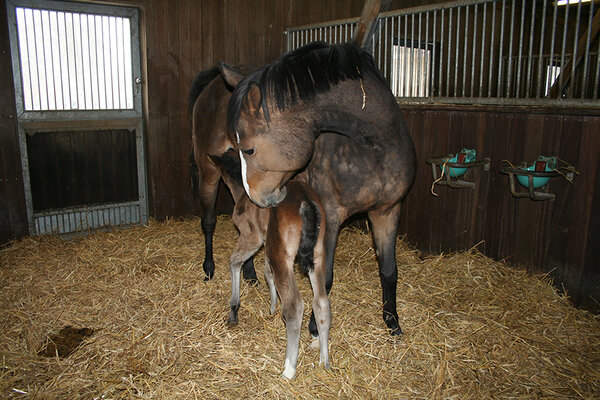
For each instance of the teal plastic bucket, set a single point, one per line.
(546, 164)
(465, 156)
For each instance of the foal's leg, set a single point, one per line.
(320, 305)
(269, 277)
(245, 248)
(332, 229)
(385, 229)
(292, 306)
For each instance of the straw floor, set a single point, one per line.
(474, 328)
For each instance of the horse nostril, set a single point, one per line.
(248, 152)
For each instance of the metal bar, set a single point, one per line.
(419, 75)
(449, 52)
(473, 51)
(426, 91)
(541, 53)
(587, 49)
(553, 38)
(520, 56)
(563, 51)
(455, 91)
(385, 47)
(483, 46)
(510, 46)
(433, 54)
(464, 74)
(411, 63)
(499, 90)
(405, 81)
(440, 86)
(572, 87)
(492, 41)
(528, 84)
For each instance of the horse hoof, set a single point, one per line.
(288, 373)
(396, 332)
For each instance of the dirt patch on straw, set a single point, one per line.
(474, 328)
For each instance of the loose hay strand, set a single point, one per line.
(474, 328)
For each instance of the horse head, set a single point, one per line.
(272, 147)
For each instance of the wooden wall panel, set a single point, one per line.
(13, 214)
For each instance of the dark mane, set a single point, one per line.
(301, 74)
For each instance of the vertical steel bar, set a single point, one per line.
(481, 65)
(572, 86)
(48, 70)
(550, 75)
(385, 47)
(528, 84)
(37, 41)
(419, 58)
(411, 63)
(441, 56)
(475, 10)
(433, 54)
(520, 54)
(449, 53)
(392, 70)
(586, 58)
(563, 52)
(29, 59)
(510, 46)
(427, 62)
(492, 47)
(464, 74)
(397, 73)
(405, 82)
(455, 90)
(541, 53)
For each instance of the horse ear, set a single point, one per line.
(254, 99)
(232, 77)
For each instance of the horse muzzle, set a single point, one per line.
(272, 199)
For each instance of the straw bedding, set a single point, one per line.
(474, 328)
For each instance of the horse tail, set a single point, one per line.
(311, 218)
(201, 81)
(194, 176)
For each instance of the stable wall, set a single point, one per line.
(559, 237)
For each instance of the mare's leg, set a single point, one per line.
(207, 193)
(385, 229)
(332, 229)
(246, 247)
(321, 308)
(269, 277)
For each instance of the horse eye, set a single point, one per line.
(248, 152)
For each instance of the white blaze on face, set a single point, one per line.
(243, 161)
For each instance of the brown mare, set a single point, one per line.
(208, 99)
(290, 232)
(327, 112)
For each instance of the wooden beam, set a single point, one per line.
(557, 89)
(368, 20)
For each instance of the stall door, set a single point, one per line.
(79, 108)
